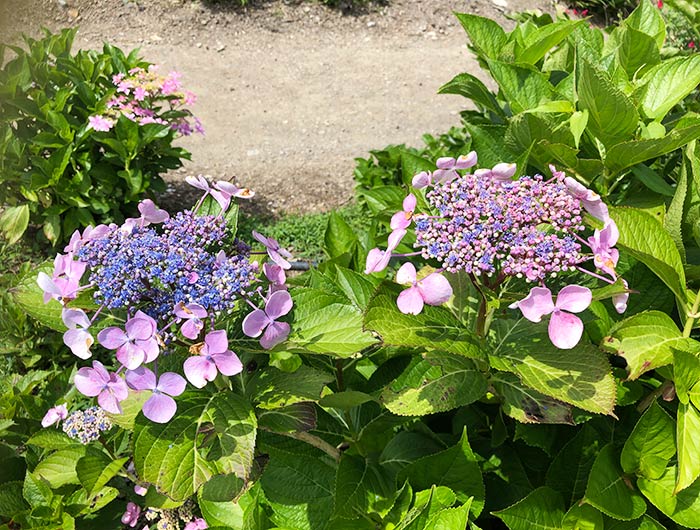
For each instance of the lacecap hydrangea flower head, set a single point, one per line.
(168, 280)
(493, 226)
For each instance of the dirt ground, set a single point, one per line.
(289, 92)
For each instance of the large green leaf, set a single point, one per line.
(540, 41)
(647, 19)
(688, 440)
(96, 469)
(524, 88)
(581, 376)
(646, 341)
(630, 153)
(644, 237)
(326, 323)
(298, 417)
(612, 116)
(437, 382)
(683, 507)
(686, 375)
(651, 445)
(455, 467)
(58, 468)
(14, 221)
(30, 298)
(668, 83)
(434, 328)
(528, 405)
(609, 490)
(542, 509)
(209, 435)
(361, 487)
(636, 50)
(486, 35)
(271, 388)
(583, 517)
(472, 88)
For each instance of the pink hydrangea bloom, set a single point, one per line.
(54, 415)
(278, 304)
(109, 388)
(131, 515)
(77, 338)
(100, 123)
(434, 289)
(605, 257)
(135, 344)
(160, 407)
(213, 357)
(193, 315)
(402, 220)
(377, 260)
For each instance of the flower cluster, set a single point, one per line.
(168, 279)
(164, 519)
(145, 96)
(86, 425)
(493, 226)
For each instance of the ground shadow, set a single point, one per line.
(346, 7)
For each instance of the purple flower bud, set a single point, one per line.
(150, 213)
(131, 515)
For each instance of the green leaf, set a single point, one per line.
(427, 505)
(51, 439)
(610, 491)
(673, 220)
(406, 447)
(646, 341)
(543, 39)
(359, 485)
(11, 501)
(96, 469)
(683, 507)
(668, 83)
(271, 388)
(434, 328)
(486, 36)
(583, 517)
(647, 19)
(542, 509)
(636, 51)
(612, 116)
(14, 221)
(58, 468)
(345, 400)
(651, 445)
(527, 405)
(450, 518)
(437, 382)
(688, 440)
(524, 88)
(456, 468)
(298, 417)
(644, 237)
(472, 88)
(30, 298)
(339, 237)
(630, 153)
(652, 180)
(326, 323)
(580, 377)
(131, 407)
(686, 375)
(209, 435)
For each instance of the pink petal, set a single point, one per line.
(131, 355)
(406, 274)
(275, 333)
(399, 221)
(377, 260)
(159, 408)
(199, 370)
(444, 175)
(279, 304)
(445, 162)
(141, 378)
(198, 182)
(139, 328)
(276, 256)
(172, 384)
(100, 372)
(151, 213)
(435, 289)
(609, 234)
(224, 199)
(466, 161)
(597, 209)
(409, 203)
(216, 342)
(227, 362)
(410, 301)
(482, 173)
(274, 273)
(394, 239)
(48, 286)
(261, 238)
(536, 304)
(255, 322)
(574, 298)
(79, 342)
(108, 402)
(73, 318)
(88, 383)
(191, 328)
(227, 187)
(190, 310)
(503, 171)
(575, 188)
(565, 329)
(112, 338)
(421, 180)
(150, 348)
(118, 387)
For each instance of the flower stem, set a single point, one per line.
(310, 439)
(691, 316)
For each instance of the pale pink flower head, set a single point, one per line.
(402, 220)
(100, 123)
(565, 329)
(140, 93)
(377, 260)
(590, 200)
(605, 257)
(434, 289)
(150, 213)
(62, 289)
(193, 315)
(447, 166)
(213, 356)
(77, 338)
(131, 515)
(160, 407)
(135, 344)
(109, 388)
(199, 182)
(277, 305)
(197, 524)
(276, 276)
(55, 415)
(277, 254)
(503, 172)
(224, 190)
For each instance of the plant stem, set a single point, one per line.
(310, 439)
(690, 320)
(339, 375)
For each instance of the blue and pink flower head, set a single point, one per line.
(173, 277)
(485, 223)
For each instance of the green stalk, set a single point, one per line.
(692, 316)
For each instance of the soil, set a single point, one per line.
(289, 92)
